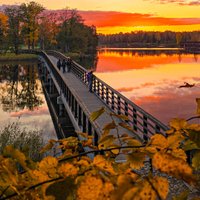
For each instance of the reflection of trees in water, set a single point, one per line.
(88, 61)
(19, 88)
(142, 53)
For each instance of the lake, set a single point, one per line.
(151, 79)
(22, 99)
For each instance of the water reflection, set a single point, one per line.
(152, 80)
(19, 87)
(22, 98)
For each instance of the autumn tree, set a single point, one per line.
(75, 36)
(14, 31)
(48, 30)
(29, 13)
(3, 30)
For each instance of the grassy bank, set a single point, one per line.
(19, 57)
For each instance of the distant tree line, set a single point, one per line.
(26, 26)
(148, 39)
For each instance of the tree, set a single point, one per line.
(14, 32)
(3, 31)
(74, 36)
(29, 13)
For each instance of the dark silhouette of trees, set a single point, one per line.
(148, 39)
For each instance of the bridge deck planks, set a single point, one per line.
(88, 100)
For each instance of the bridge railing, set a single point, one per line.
(141, 121)
(80, 113)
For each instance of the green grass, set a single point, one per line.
(14, 57)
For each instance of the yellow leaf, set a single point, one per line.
(17, 155)
(115, 151)
(174, 141)
(124, 183)
(68, 169)
(158, 141)
(136, 159)
(90, 188)
(178, 124)
(97, 113)
(198, 105)
(161, 185)
(106, 141)
(141, 191)
(49, 166)
(109, 126)
(133, 142)
(173, 166)
(103, 164)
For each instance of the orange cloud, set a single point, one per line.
(111, 18)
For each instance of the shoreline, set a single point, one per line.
(19, 57)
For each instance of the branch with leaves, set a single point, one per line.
(107, 171)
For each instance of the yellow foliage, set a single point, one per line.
(173, 166)
(92, 187)
(103, 164)
(178, 124)
(67, 169)
(74, 175)
(136, 159)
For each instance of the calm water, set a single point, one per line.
(151, 80)
(22, 98)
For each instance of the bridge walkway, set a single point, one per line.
(88, 101)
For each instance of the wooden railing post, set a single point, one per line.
(126, 108)
(134, 119)
(107, 96)
(113, 100)
(118, 105)
(145, 129)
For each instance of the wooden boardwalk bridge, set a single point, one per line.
(71, 103)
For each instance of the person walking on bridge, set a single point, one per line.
(69, 64)
(90, 80)
(59, 64)
(64, 65)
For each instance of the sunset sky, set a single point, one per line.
(113, 16)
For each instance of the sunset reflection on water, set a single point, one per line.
(151, 80)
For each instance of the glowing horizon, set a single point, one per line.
(114, 16)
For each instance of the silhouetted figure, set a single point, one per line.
(69, 64)
(90, 79)
(187, 85)
(59, 64)
(64, 65)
